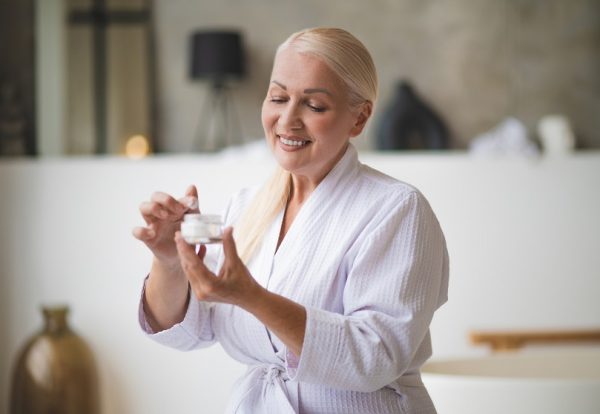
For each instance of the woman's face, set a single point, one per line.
(306, 115)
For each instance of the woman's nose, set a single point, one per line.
(290, 117)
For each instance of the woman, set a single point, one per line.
(328, 288)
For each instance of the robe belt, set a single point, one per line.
(274, 372)
(287, 397)
(278, 394)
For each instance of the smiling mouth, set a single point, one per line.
(293, 142)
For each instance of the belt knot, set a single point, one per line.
(273, 372)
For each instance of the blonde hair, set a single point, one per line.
(351, 62)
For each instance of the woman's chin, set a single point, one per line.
(287, 164)
(289, 161)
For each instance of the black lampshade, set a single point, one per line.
(216, 54)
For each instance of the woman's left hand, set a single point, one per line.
(234, 284)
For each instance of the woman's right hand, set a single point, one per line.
(163, 215)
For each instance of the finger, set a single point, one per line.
(201, 252)
(190, 262)
(173, 207)
(191, 199)
(229, 245)
(190, 203)
(192, 191)
(152, 212)
(143, 233)
(186, 251)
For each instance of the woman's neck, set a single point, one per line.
(302, 187)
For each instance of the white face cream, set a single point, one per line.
(202, 228)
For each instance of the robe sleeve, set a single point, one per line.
(193, 332)
(397, 277)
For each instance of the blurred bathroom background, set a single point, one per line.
(98, 109)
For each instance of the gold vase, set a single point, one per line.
(55, 371)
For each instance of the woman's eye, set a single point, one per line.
(316, 108)
(277, 100)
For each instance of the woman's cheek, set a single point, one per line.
(265, 115)
(269, 119)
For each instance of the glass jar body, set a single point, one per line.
(202, 228)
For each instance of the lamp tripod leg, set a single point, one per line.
(218, 124)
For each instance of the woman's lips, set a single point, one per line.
(294, 142)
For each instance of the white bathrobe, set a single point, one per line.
(367, 258)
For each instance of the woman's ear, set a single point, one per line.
(364, 113)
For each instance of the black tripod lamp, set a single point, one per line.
(217, 57)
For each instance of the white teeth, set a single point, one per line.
(292, 142)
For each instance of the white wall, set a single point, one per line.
(523, 237)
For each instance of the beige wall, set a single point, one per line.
(477, 62)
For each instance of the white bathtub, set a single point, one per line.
(566, 382)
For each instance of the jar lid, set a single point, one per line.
(203, 218)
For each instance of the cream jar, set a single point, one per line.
(202, 228)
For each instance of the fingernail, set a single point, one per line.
(192, 202)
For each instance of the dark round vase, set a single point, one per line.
(55, 371)
(408, 123)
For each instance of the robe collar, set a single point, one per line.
(314, 209)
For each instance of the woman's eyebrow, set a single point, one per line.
(281, 85)
(318, 90)
(309, 90)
